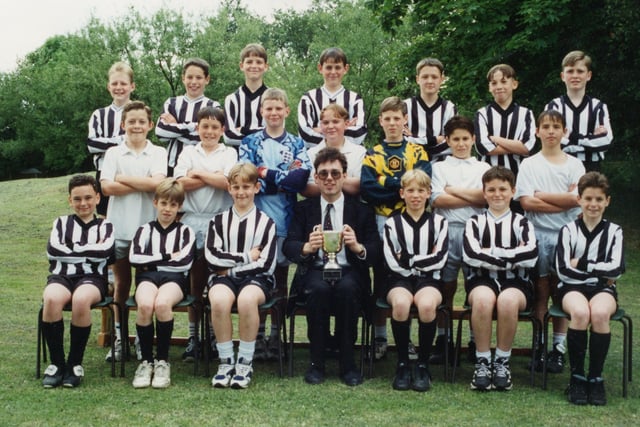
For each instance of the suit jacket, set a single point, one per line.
(307, 214)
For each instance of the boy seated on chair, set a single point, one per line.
(589, 260)
(240, 250)
(499, 246)
(342, 294)
(162, 252)
(80, 247)
(416, 246)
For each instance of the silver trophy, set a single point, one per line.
(331, 245)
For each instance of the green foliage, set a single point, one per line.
(45, 104)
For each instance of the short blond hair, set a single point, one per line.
(243, 172)
(253, 49)
(574, 56)
(121, 67)
(274, 94)
(418, 176)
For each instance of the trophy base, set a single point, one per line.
(331, 275)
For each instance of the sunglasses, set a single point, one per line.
(324, 174)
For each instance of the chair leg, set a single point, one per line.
(275, 312)
(545, 329)
(456, 355)
(205, 333)
(535, 340)
(41, 345)
(292, 325)
(447, 321)
(630, 347)
(194, 306)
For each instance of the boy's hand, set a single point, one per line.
(296, 164)
(600, 130)
(406, 131)
(175, 255)
(352, 122)
(572, 187)
(574, 262)
(262, 171)
(168, 118)
(254, 253)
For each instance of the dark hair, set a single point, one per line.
(330, 154)
(506, 70)
(334, 53)
(211, 113)
(82, 180)
(253, 49)
(501, 173)
(136, 105)
(197, 62)
(593, 180)
(553, 115)
(458, 122)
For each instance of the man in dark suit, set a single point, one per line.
(361, 248)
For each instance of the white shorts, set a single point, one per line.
(454, 261)
(199, 224)
(547, 243)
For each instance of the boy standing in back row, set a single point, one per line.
(178, 121)
(105, 130)
(428, 112)
(333, 66)
(242, 108)
(505, 131)
(589, 133)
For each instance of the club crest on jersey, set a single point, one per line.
(394, 163)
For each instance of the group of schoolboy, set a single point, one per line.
(241, 224)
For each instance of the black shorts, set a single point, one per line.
(237, 284)
(497, 286)
(589, 291)
(159, 278)
(412, 283)
(73, 282)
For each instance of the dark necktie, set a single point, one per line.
(326, 226)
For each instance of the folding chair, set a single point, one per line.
(272, 306)
(443, 310)
(187, 301)
(627, 343)
(523, 316)
(108, 303)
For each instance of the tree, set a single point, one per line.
(470, 36)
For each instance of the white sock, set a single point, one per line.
(503, 354)
(485, 354)
(118, 334)
(225, 350)
(246, 350)
(558, 341)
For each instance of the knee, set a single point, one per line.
(580, 316)
(427, 312)
(400, 311)
(600, 319)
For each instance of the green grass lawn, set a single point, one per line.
(27, 209)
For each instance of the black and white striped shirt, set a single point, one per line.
(499, 248)
(599, 252)
(311, 105)
(76, 248)
(426, 123)
(230, 238)
(105, 131)
(242, 110)
(152, 247)
(425, 241)
(516, 122)
(581, 121)
(185, 111)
